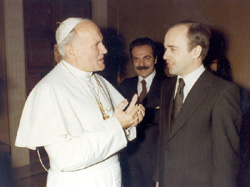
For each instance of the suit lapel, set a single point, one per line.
(195, 97)
(134, 84)
(154, 90)
(166, 103)
(132, 87)
(153, 87)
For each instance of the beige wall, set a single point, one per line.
(99, 12)
(15, 73)
(4, 126)
(151, 18)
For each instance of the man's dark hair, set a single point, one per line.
(198, 34)
(143, 41)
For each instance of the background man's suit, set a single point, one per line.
(143, 149)
(202, 149)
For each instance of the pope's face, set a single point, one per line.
(88, 47)
(177, 55)
(143, 60)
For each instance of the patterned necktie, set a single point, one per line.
(144, 91)
(178, 101)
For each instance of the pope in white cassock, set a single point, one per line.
(77, 115)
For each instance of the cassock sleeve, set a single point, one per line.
(89, 149)
(40, 123)
(117, 98)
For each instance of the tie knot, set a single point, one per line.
(181, 83)
(143, 82)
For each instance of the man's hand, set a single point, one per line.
(132, 116)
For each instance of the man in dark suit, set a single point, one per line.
(138, 159)
(199, 116)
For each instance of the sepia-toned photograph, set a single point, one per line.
(124, 93)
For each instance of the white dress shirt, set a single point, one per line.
(189, 80)
(148, 80)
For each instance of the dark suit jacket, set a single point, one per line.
(202, 149)
(244, 179)
(147, 131)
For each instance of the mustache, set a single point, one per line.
(142, 67)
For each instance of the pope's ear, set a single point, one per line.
(197, 51)
(70, 51)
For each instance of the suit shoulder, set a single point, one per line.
(127, 86)
(220, 87)
(128, 81)
(222, 83)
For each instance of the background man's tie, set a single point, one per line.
(178, 101)
(144, 91)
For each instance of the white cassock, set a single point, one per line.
(61, 115)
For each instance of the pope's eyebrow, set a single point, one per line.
(98, 42)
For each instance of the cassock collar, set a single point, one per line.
(77, 72)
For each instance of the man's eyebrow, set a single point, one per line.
(147, 56)
(171, 46)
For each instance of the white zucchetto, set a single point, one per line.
(66, 27)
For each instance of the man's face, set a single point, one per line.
(178, 58)
(88, 47)
(143, 60)
(57, 56)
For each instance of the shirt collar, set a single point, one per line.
(149, 78)
(191, 78)
(76, 71)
